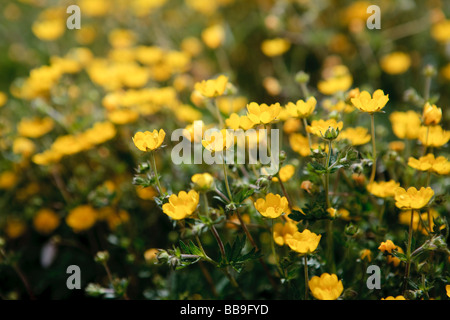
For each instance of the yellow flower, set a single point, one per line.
(47, 157)
(15, 228)
(121, 38)
(187, 113)
(3, 99)
(292, 125)
(203, 180)
(81, 218)
(23, 146)
(149, 141)
(272, 86)
(397, 146)
(46, 221)
(326, 287)
(366, 254)
(275, 47)
(388, 246)
(332, 212)
(8, 179)
(447, 288)
(338, 79)
(432, 115)
(357, 136)
(303, 242)
(299, 144)
(441, 31)
(99, 133)
(286, 172)
(229, 105)
(433, 136)
(263, 114)
(35, 128)
(49, 29)
(392, 298)
(122, 116)
(148, 193)
(302, 109)
(405, 124)
(370, 104)
(412, 198)
(150, 255)
(383, 189)
(117, 218)
(194, 132)
(182, 205)
(272, 206)
(282, 232)
(320, 127)
(395, 63)
(439, 165)
(94, 8)
(212, 88)
(213, 36)
(405, 218)
(218, 141)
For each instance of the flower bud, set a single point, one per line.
(102, 257)
(302, 77)
(331, 133)
(429, 71)
(162, 256)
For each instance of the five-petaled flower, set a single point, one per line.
(182, 205)
(370, 104)
(149, 141)
(326, 287)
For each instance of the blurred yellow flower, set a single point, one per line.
(412, 198)
(447, 288)
(397, 146)
(212, 88)
(405, 218)
(357, 136)
(286, 172)
(94, 8)
(292, 125)
(3, 99)
(303, 242)
(272, 206)
(47, 157)
(299, 143)
(182, 205)
(326, 287)
(150, 255)
(432, 115)
(186, 113)
(35, 128)
(192, 46)
(275, 47)
(121, 38)
(395, 63)
(49, 29)
(147, 193)
(218, 141)
(229, 105)
(439, 165)
(337, 79)
(387, 247)
(122, 116)
(23, 146)
(99, 133)
(394, 298)
(46, 221)
(366, 254)
(282, 232)
(320, 127)
(370, 104)
(203, 180)
(405, 124)
(213, 36)
(433, 136)
(302, 109)
(8, 179)
(15, 228)
(81, 218)
(441, 31)
(383, 189)
(149, 141)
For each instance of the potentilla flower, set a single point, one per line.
(395, 63)
(203, 180)
(387, 247)
(302, 109)
(366, 254)
(433, 136)
(447, 288)
(272, 206)
(235, 122)
(441, 31)
(357, 136)
(326, 287)
(45, 221)
(275, 47)
(370, 104)
(282, 232)
(35, 128)
(394, 298)
(212, 88)
(338, 79)
(218, 141)
(229, 105)
(397, 146)
(81, 218)
(286, 172)
(405, 124)
(439, 165)
(213, 36)
(299, 143)
(383, 189)
(304, 242)
(405, 218)
(263, 114)
(432, 115)
(182, 205)
(412, 198)
(321, 127)
(149, 141)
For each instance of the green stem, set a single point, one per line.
(155, 171)
(408, 253)
(374, 149)
(305, 259)
(330, 258)
(226, 180)
(305, 124)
